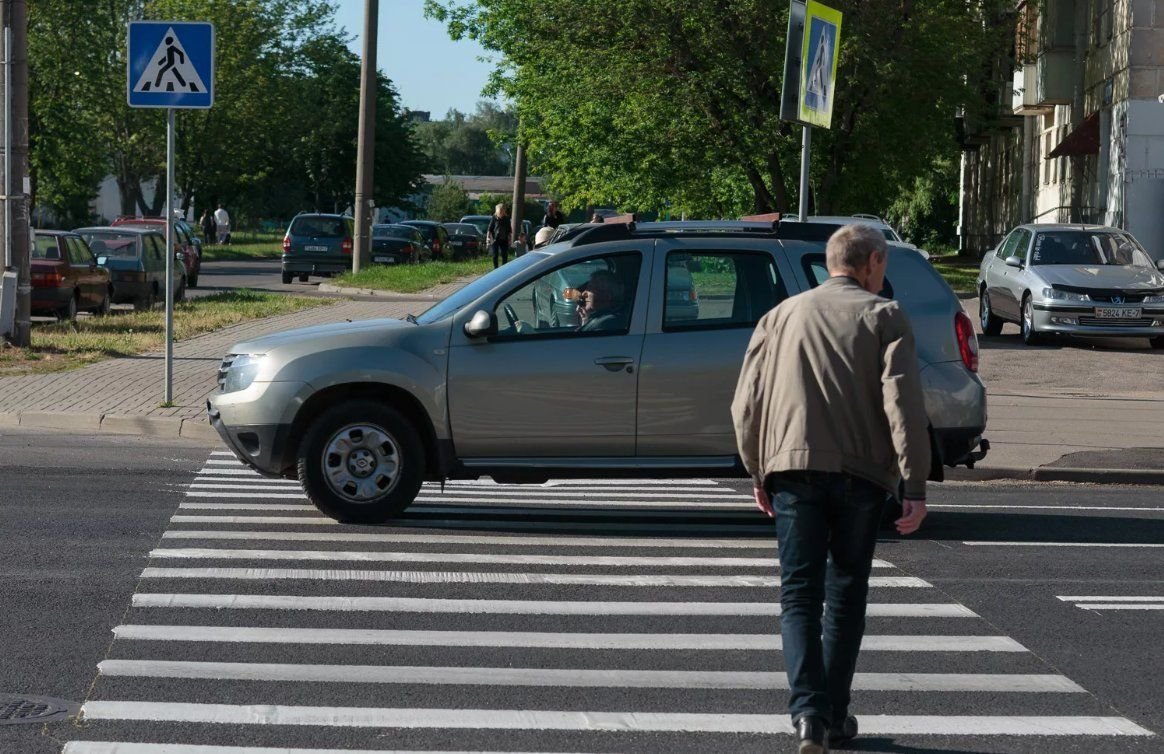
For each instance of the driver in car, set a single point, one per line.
(601, 306)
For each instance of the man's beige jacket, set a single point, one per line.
(830, 382)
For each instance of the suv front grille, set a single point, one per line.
(226, 362)
(1125, 298)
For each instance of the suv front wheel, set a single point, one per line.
(361, 462)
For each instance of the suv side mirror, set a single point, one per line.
(1013, 261)
(482, 325)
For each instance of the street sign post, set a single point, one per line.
(810, 75)
(170, 64)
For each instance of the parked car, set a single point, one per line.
(480, 384)
(185, 241)
(465, 240)
(435, 236)
(399, 244)
(1072, 280)
(317, 244)
(135, 258)
(65, 276)
(481, 221)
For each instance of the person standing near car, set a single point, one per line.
(554, 216)
(209, 227)
(222, 223)
(829, 418)
(497, 236)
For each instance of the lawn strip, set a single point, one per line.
(410, 278)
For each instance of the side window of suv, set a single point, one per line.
(818, 272)
(593, 296)
(719, 289)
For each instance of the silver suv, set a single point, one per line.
(614, 353)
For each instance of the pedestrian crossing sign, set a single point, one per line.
(818, 69)
(170, 64)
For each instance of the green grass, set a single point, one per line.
(410, 278)
(245, 251)
(960, 274)
(68, 345)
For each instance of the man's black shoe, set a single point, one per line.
(846, 732)
(812, 733)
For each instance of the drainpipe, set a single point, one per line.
(962, 244)
(1028, 150)
(1077, 193)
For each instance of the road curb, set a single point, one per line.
(376, 293)
(1059, 474)
(114, 424)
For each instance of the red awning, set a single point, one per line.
(1083, 140)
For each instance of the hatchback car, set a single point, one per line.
(435, 236)
(1072, 280)
(361, 413)
(399, 244)
(65, 276)
(317, 244)
(186, 242)
(465, 240)
(135, 258)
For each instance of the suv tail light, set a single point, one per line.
(287, 244)
(967, 340)
(346, 246)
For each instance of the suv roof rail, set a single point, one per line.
(702, 226)
(867, 216)
(587, 233)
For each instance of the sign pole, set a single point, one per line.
(805, 156)
(170, 256)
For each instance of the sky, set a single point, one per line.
(431, 72)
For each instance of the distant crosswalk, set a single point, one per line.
(576, 616)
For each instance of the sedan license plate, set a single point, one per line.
(384, 260)
(1108, 313)
(315, 248)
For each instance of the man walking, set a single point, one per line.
(222, 223)
(829, 417)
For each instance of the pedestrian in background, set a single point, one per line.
(554, 216)
(829, 418)
(222, 224)
(209, 227)
(597, 218)
(498, 234)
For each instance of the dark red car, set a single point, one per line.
(66, 278)
(185, 242)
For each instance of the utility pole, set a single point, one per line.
(366, 145)
(518, 211)
(15, 188)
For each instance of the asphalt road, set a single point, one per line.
(434, 634)
(259, 275)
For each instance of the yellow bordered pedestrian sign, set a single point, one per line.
(818, 70)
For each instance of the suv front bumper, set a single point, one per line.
(255, 424)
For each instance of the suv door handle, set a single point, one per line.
(616, 363)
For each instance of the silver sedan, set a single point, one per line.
(1072, 280)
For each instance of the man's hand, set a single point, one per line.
(913, 512)
(764, 503)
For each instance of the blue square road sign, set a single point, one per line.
(170, 64)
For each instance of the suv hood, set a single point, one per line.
(335, 335)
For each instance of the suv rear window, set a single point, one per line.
(319, 227)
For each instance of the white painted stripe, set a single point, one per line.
(576, 482)
(551, 607)
(486, 494)
(232, 462)
(1122, 598)
(446, 577)
(455, 539)
(731, 505)
(248, 483)
(614, 527)
(250, 506)
(742, 514)
(500, 719)
(711, 507)
(1064, 544)
(240, 471)
(573, 677)
(1046, 507)
(456, 557)
(1120, 606)
(288, 495)
(268, 486)
(122, 747)
(223, 453)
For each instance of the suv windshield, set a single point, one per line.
(478, 287)
(1088, 248)
(318, 227)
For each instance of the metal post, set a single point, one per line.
(169, 391)
(7, 147)
(366, 144)
(518, 212)
(21, 242)
(805, 153)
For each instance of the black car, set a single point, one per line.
(434, 235)
(136, 261)
(398, 244)
(465, 240)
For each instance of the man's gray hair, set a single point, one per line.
(851, 246)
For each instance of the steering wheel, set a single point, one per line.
(510, 315)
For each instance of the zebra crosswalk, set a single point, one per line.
(577, 616)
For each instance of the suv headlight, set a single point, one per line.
(241, 371)
(1053, 295)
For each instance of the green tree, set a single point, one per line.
(449, 202)
(469, 144)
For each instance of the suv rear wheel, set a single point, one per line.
(287, 277)
(361, 462)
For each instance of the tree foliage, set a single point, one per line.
(448, 203)
(280, 137)
(674, 104)
(478, 144)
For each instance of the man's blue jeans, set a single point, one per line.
(826, 525)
